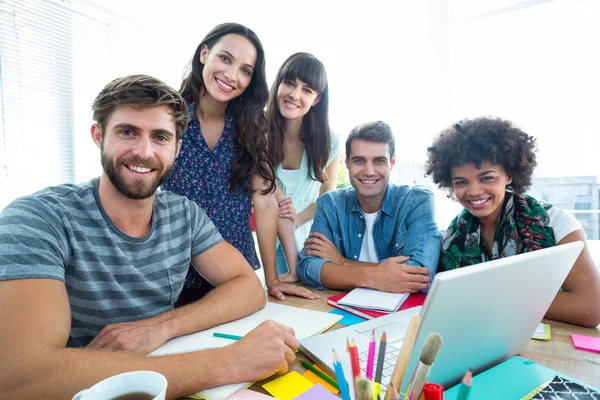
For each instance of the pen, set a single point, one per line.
(339, 374)
(371, 356)
(227, 336)
(320, 374)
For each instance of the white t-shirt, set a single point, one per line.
(367, 251)
(563, 223)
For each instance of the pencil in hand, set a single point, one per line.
(432, 346)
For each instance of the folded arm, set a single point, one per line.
(323, 265)
(579, 301)
(238, 293)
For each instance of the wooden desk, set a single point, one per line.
(558, 353)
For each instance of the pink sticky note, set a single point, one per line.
(588, 343)
(245, 394)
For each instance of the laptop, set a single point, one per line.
(485, 313)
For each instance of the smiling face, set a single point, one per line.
(481, 190)
(138, 149)
(369, 168)
(295, 98)
(228, 67)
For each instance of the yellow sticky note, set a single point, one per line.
(542, 332)
(314, 378)
(288, 386)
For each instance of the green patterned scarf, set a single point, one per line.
(522, 227)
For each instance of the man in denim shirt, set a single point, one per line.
(375, 234)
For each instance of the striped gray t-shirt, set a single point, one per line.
(63, 233)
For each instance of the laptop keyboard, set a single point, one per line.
(389, 362)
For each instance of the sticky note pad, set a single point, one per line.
(588, 343)
(348, 319)
(245, 394)
(542, 332)
(288, 386)
(314, 378)
(317, 392)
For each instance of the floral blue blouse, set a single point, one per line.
(203, 176)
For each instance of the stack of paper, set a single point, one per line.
(372, 299)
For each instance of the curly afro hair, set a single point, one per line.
(494, 140)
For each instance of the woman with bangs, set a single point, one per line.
(303, 148)
(487, 164)
(223, 164)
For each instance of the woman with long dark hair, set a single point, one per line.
(223, 164)
(303, 149)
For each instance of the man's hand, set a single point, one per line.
(140, 337)
(287, 210)
(393, 276)
(266, 350)
(277, 289)
(317, 244)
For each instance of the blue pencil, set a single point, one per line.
(339, 374)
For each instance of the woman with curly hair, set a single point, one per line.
(223, 164)
(486, 164)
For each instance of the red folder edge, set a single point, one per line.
(413, 300)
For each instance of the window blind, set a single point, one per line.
(55, 56)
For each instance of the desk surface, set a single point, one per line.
(558, 353)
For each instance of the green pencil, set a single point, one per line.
(321, 375)
(227, 336)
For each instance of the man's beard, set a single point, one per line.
(140, 189)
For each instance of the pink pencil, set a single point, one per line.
(371, 357)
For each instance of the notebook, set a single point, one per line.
(413, 300)
(518, 378)
(485, 313)
(372, 299)
(304, 322)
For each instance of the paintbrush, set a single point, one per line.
(419, 377)
(363, 389)
(404, 355)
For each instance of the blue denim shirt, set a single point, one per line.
(405, 227)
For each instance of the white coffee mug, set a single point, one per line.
(149, 382)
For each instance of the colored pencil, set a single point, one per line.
(339, 374)
(465, 386)
(393, 392)
(320, 374)
(354, 360)
(227, 336)
(432, 345)
(371, 356)
(404, 355)
(381, 357)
